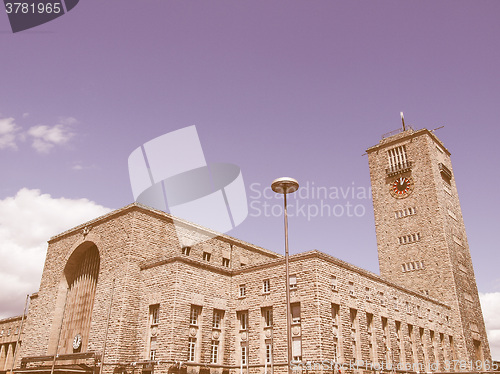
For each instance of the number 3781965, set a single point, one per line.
(32, 8)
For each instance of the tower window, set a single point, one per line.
(405, 212)
(186, 251)
(398, 161)
(225, 262)
(207, 256)
(457, 240)
(410, 238)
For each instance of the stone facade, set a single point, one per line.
(121, 294)
(10, 331)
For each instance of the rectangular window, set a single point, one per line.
(214, 352)
(423, 343)
(195, 312)
(269, 353)
(447, 189)
(400, 341)
(413, 351)
(385, 331)
(268, 316)
(334, 283)
(371, 337)
(297, 349)
(217, 319)
(452, 348)
(152, 348)
(225, 262)
(154, 314)
(243, 318)
(452, 215)
(242, 290)
(336, 331)
(293, 282)
(207, 256)
(244, 354)
(351, 288)
(354, 333)
(295, 312)
(382, 298)
(266, 286)
(192, 349)
(335, 319)
(186, 251)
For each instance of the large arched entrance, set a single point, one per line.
(81, 274)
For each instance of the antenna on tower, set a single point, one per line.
(403, 120)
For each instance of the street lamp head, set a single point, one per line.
(285, 185)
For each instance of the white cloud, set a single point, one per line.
(46, 137)
(8, 133)
(490, 304)
(27, 221)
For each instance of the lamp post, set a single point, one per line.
(285, 186)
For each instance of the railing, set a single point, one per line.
(397, 131)
(399, 168)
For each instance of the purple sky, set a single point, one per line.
(296, 88)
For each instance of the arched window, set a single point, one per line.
(81, 273)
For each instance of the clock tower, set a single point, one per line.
(421, 237)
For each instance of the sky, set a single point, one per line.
(279, 88)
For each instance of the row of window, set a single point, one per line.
(266, 286)
(8, 332)
(372, 341)
(398, 304)
(207, 256)
(405, 212)
(411, 266)
(397, 157)
(410, 238)
(242, 317)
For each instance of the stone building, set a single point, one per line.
(121, 294)
(10, 329)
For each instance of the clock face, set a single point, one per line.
(401, 187)
(77, 341)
